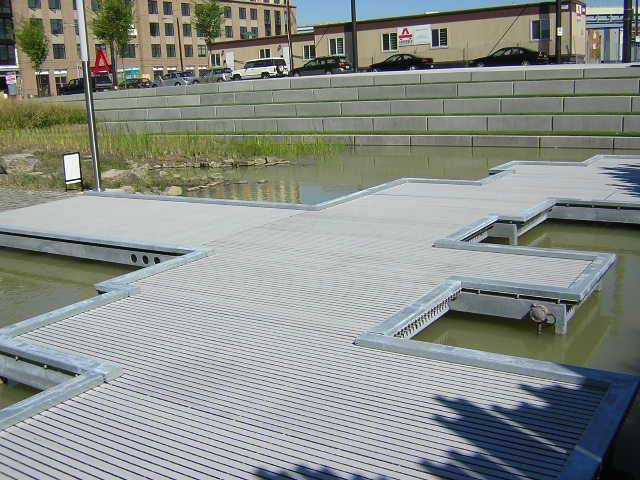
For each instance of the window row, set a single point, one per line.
(167, 8)
(56, 25)
(170, 50)
(57, 4)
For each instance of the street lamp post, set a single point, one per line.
(354, 35)
(88, 94)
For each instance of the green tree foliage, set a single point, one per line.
(208, 16)
(32, 40)
(111, 25)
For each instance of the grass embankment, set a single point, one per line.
(49, 131)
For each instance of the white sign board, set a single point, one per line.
(415, 35)
(11, 79)
(72, 172)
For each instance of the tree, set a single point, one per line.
(32, 40)
(208, 16)
(111, 25)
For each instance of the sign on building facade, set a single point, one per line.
(414, 35)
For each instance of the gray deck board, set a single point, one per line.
(242, 364)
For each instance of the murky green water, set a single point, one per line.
(604, 334)
(318, 179)
(34, 283)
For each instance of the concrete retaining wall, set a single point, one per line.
(450, 123)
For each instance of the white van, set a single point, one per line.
(262, 68)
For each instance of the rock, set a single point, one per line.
(239, 182)
(193, 189)
(173, 191)
(259, 160)
(273, 160)
(262, 180)
(19, 163)
(115, 174)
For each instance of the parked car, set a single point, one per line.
(403, 61)
(511, 56)
(136, 83)
(100, 83)
(175, 79)
(323, 66)
(215, 75)
(262, 68)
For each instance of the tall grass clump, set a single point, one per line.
(21, 114)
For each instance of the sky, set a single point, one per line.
(327, 11)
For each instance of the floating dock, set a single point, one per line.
(273, 341)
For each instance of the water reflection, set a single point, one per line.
(317, 179)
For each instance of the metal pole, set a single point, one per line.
(635, 43)
(88, 94)
(354, 36)
(558, 31)
(180, 45)
(626, 32)
(289, 35)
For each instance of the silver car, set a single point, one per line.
(214, 76)
(175, 78)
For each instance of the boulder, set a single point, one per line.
(173, 191)
(19, 163)
(115, 174)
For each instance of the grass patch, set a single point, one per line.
(28, 114)
(138, 151)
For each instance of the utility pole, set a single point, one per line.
(289, 35)
(179, 33)
(88, 94)
(558, 31)
(626, 32)
(354, 35)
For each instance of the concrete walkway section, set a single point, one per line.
(242, 364)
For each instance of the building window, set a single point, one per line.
(389, 42)
(58, 51)
(60, 81)
(309, 52)
(54, 4)
(277, 17)
(76, 27)
(540, 29)
(156, 51)
(228, 31)
(74, 6)
(6, 29)
(216, 60)
(186, 29)
(254, 32)
(95, 5)
(34, 4)
(336, 46)
(267, 30)
(242, 13)
(439, 37)
(188, 50)
(278, 29)
(7, 55)
(202, 51)
(168, 29)
(56, 26)
(154, 29)
(129, 51)
(78, 49)
(152, 5)
(265, 52)
(227, 12)
(167, 8)
(186, 9)
(243, 32)
(267, 16)
(254, 13)
(200, 34)
(171, 50)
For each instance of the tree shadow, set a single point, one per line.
(531, 439)
(628, 175)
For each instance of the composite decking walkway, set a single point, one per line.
(242, 364)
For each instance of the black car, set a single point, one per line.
(322, 66)
(100, 83)
(136, 83)
(402, 61)
(511, 56)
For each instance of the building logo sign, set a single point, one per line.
(415, 35)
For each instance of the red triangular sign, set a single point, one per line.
(102, 64)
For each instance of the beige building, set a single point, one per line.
(163, 38)
(448, 37)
